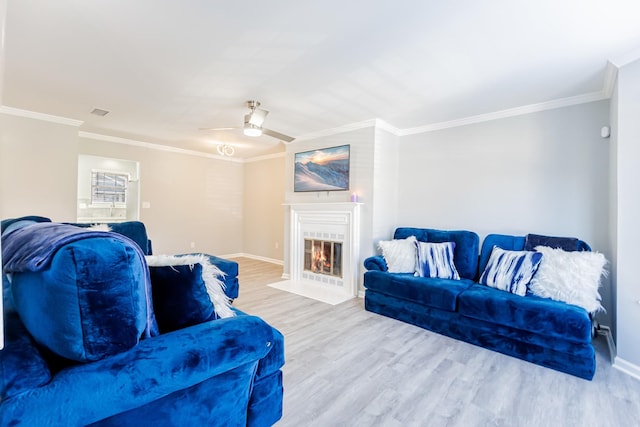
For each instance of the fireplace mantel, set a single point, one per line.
(338, 221)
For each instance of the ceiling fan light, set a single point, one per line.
(252, 130)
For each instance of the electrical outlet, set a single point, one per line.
(277, 244)
(193, 245)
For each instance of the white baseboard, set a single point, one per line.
(620, 364)
(627, 367)
(256, 257)
(361, 294)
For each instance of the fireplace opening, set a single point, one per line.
(323, 257)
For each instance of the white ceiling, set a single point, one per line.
(164, 68)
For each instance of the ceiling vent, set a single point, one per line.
(99, 112)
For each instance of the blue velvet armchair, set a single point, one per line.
(82, 345)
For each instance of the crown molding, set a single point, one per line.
(374, 123)
(153, 146)
(610, 76)
(511, 112)
(337, 130)
(40, 116)
(381, 124)
(626, 58)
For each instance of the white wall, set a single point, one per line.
(192, 199)
(545, 173)
(385, 188)
(263, 210)
(38, 168)
(628, 215)
(360, 182)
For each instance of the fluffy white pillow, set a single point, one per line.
(210, 274)
(572, 277)
(399, 254)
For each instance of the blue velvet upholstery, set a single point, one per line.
(90, 302)
(538, 330)
(561, 355)
(530, 313)
(219, 372)
(180, 298)
(375, 263)
(230, 270)
(465, 253)
(225, 352)
(21, 364)
(429, 291)
(135, 230)
(569, 244)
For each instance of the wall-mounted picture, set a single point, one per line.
(325, 169)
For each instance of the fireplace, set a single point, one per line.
(323, 257)
(324, 242)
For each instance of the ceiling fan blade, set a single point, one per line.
(257, 116)
(277, 135)
(229, 128)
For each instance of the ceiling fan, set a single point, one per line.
(253, 124)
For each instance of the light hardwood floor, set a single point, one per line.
(349, 367)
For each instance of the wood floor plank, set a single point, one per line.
(349, 367)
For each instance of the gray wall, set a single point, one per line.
(193, 198)
(627, 114)
(545, 172)
(263, 210)
(38, 168)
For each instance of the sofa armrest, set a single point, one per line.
(156, 367)
(375, 263)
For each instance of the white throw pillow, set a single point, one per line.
(572, 277)
(399, 254)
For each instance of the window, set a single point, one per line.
(109, 187)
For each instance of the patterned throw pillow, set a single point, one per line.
(399, 254)
(436, 260)
(510, 271)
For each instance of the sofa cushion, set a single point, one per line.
(89, 302)
(465, 254)
(399, 254)
(436, 260)
(135, 230)
(572, 277)
(529, 313)
(510, 271)
(565, 243)
(208, 276)
(432, 292)
(180, 297)
(21, 364)
(229, 271)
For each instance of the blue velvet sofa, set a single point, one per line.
(82, 345)
(137, 232)
(549, 333)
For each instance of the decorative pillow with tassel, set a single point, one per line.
(186, 291)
